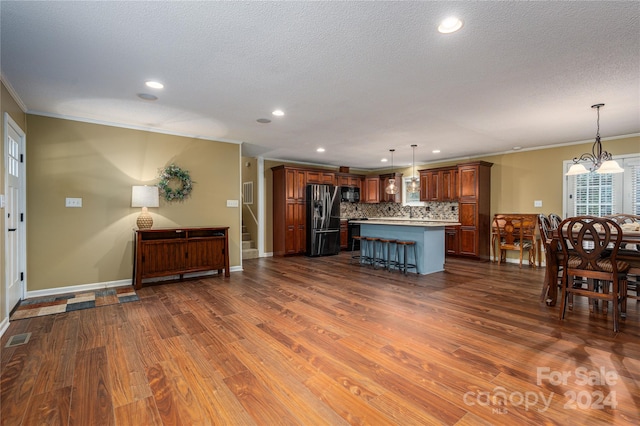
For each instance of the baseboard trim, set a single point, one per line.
(77, 288)
(4, 325)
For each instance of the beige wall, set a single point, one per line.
(94, 244)
(10, 106)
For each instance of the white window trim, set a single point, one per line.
(622, 196)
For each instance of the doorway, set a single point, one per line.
(14, 212)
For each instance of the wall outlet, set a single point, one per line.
(232, 203)
(537, 203)
(73, 202)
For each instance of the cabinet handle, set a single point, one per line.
(12, 229)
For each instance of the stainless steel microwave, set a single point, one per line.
(349, 194)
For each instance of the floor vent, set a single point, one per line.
(17, 340)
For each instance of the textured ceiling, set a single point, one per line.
(356, 78)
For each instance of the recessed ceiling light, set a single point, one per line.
(154, 84)
(147, 97)
(517, 148)
(263, 120)
(278, 113)
(436, 151)
(384, 160)
(450, 25)
(320, 149)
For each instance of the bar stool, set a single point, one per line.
(403, 266)
(353, 245)
(372, 246)
(385, 243)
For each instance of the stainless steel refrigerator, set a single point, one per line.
(323, 220)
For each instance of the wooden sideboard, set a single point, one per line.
(161, 252)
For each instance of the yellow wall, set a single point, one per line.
(94, 244)
(10, 106)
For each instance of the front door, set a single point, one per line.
(15, 250)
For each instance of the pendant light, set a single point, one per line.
(414, 184)
(601, 160)
(392, 188)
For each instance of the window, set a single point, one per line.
(594, 194)
(410, 198)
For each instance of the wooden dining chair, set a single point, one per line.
(590, 249)
(555, 220)
(514, 233)
(553, 259)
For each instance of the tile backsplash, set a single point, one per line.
(432, 210)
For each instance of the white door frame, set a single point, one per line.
(22, 241)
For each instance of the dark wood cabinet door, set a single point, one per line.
(301, 184)
(291, 228)
(205, 253)
(433, 186)
(314, 177)
(328, 178)
(449, 185)
(291, 188)
(301, 228)
(468, 241)
(451, 240)
(344, 235)
(468, 214)
(424, 185)
(371, 190)
(162, 257)
(468, 177)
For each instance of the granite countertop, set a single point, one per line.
(406, 222)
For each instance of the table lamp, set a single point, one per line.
(144, 196)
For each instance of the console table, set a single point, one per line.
(162, 252)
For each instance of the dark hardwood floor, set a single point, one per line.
(314, 341)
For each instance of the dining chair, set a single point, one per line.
(590, 249)
(631, 252)
(555, 220)
(553, 259)
(514, 233)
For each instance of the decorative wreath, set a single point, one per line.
(170, 173)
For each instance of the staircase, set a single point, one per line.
(249, 250)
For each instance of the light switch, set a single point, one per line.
(1, 201)
(232, 203)
(537, 203)
(73, 202)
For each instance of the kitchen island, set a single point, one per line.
(428, 235)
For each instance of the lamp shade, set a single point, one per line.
(144, 196)
(577, 169)
(610, 166)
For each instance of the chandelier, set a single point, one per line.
(392, 188)
(414, 184)
(601, 161)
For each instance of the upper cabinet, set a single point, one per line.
(439, 184)
(317, 176)
(370, 192)
(344, 179)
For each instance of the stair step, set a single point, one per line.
(244, 229)
(251, 253)
(248, 244)
(246, 236)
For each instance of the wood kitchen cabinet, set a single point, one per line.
(317, 176)
(162, 252)
(344, 234)
(370, 192)
(289, 208)
(451, 240)
(474, 186)
(344, 179)
(384, 182)
(289, 213)
(439, 184)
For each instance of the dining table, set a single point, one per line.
(629, 251)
